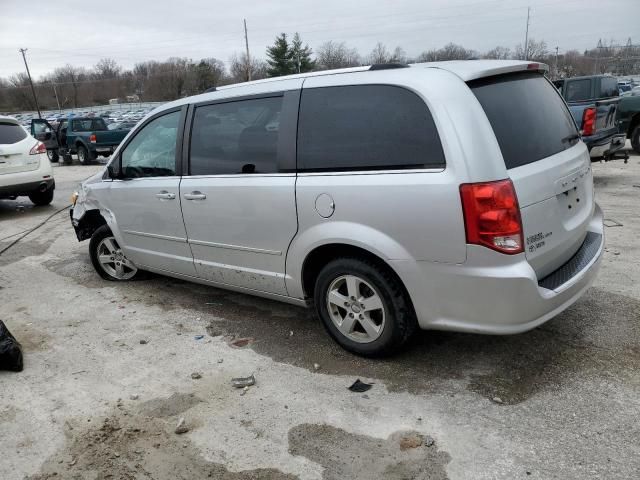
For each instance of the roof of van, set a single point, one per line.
(465, 69)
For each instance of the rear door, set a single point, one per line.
(549, 166)
(15, 144)
(238, 196)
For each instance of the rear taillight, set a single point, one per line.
(38, 148)
(589, 121)
(492, 216)
(92, 138)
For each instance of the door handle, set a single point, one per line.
(164, 195)
(195, 196)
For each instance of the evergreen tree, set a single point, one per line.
(301, 55)
(280, 57)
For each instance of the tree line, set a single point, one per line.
(71, 86)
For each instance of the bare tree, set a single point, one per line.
(379, 54)
(107, 68)
(398, 55)
(450, 51)
(238, 68)
(210, 72)
(70, 77)
(535, 50)
(498, 53)
(332, 55)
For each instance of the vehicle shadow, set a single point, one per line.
(506, 369)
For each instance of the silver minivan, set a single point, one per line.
(451, 196)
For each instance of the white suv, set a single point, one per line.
(451, 196)
(24, 166)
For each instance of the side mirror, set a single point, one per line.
(112, 173)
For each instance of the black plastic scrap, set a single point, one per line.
(360, 387)
(242, 382)
(10, 351)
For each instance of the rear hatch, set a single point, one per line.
(548, 165)
(15, 145)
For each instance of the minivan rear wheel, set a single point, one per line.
(108, 258)
(364, 307)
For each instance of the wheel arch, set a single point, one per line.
(89, 223)
(634, 122)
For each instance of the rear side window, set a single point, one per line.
(236, 137)
(366, 127)
(11, 133)
(608, 87)
(528, 116)
(578, 90)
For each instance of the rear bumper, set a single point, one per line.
(608, 147)
(27, 188)
(497, 294)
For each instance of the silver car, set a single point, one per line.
(450, 196)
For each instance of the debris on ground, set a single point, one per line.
(10, 351)
(143, 342)
(610, 222)
(196, 375)
(291, 333)
(220, 360)
(134, 396)
(411, 440)
(244, 390)
(497, 400)
(360, 387)
(199, 337)
(181, 427)
(429, 441)
(316, 366)
(242, 382)
(240, 342)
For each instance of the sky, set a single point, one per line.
(81, 32)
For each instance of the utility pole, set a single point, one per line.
(557, 62)
(55, 92)
(246, 44)
(599, 47)
(526, 37)
(33, 90)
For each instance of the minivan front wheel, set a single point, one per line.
(363, 307)
(107, 257)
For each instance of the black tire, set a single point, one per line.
(42, 198)
(100, 234)
(53, 156)
(635, 139)
(400, 320)
(84, 155)
(68, 160)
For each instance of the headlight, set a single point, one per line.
(74, 198)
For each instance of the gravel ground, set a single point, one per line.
(108, 375)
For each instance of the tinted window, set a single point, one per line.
(366, 127)
(152, 152)
(608, 87)
(11, 133)
(578, 90)
(528, 116)
(236, 137)
(88, 125)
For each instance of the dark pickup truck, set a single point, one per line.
(629, 119)
(88, 137)
(593, 101)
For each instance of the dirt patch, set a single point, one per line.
(31, 339)
(358, 457)
(134, 447)
(168, 407)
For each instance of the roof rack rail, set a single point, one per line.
(387, 66)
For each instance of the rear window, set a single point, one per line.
(528, 116)
(89, 125)
(608, 87)
(366, 127)
(11, 133)
(578, 90)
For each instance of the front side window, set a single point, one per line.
(366, 127)
(152, 152)
(236, 137)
